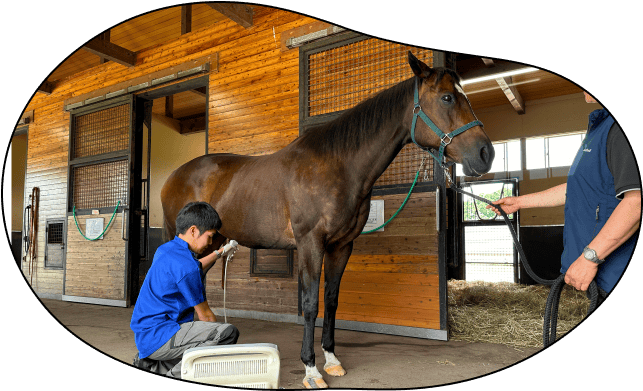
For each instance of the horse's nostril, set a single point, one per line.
(486, 154)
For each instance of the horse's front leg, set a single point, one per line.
(311, 253)
(334, 265)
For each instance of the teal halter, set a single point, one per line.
(445, 138)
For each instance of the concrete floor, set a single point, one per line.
(371, 360)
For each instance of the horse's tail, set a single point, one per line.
(169, 229)
(169, 220)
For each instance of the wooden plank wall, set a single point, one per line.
(392, 276)
(47, 170)
(95, 269)
(253, 108)
(243, 292)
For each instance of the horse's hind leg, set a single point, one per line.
(334, 265)
(311, 254)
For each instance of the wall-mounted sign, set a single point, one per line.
(375, 216)
(94, 227)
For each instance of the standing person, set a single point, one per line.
(602, 198)
(173, 290)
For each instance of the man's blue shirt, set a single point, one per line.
(172, 287)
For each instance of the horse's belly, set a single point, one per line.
(256, 224)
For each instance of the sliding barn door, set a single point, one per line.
(395, 281)
(104, 202)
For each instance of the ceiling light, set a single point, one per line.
(497, 75)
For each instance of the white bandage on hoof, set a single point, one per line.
(333, 367)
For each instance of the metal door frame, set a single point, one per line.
(132, 154)
(498, 221)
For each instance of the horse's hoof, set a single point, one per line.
(315, 383)
(335, 370)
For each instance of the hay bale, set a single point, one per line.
(508, 313)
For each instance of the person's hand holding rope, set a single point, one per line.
(508, 204)
(581, 273)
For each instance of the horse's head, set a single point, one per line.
(451, 121)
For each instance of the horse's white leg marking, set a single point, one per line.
(312, 373)
(314, 379)
(333, 367)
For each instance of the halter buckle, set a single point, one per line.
(418, 107)
(446, 136)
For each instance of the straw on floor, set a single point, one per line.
(508, 313)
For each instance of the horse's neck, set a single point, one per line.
(375, 157)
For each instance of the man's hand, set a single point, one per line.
(581, 273)
(508, 204)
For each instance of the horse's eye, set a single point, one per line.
(448, 98)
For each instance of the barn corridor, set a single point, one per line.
(371, 360)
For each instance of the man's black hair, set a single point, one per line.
(200, 214)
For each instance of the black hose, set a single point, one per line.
(594, 293)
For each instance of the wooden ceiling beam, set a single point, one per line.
(510, 91)
(238, 13)
(186, 19)
(199, 91)
(106, 36)
(169, 106)
(110, 51)
(46, 87)
(192, 124)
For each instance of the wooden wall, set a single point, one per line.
(252, 109)
(95, 269)
(253, 106)
(276, 295)
(392, 276)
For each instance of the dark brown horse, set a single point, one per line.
(314, 194)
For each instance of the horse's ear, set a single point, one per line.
(419, 68)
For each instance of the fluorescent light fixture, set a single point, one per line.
(294, 42)
(493, 76)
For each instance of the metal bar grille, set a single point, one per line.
(485, 262)
(54, 250)
(55, 233)
(101, 132)
(340, 77)
(277, 263)
(100, 185)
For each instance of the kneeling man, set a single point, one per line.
(163, 317)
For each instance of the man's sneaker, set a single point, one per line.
(144, 363)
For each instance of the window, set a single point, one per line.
(555, 151)
(480, 227)
(474, 210)
(98, 159)
(541, 152)
(55, 245)
(507, 157)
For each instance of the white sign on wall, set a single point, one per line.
(94, 227)
(375, 216)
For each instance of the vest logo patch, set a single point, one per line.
(587, 150)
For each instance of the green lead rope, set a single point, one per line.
(105, 230)
(400, 208)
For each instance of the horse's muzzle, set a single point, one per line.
(479, 163)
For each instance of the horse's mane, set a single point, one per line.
(347, 133)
